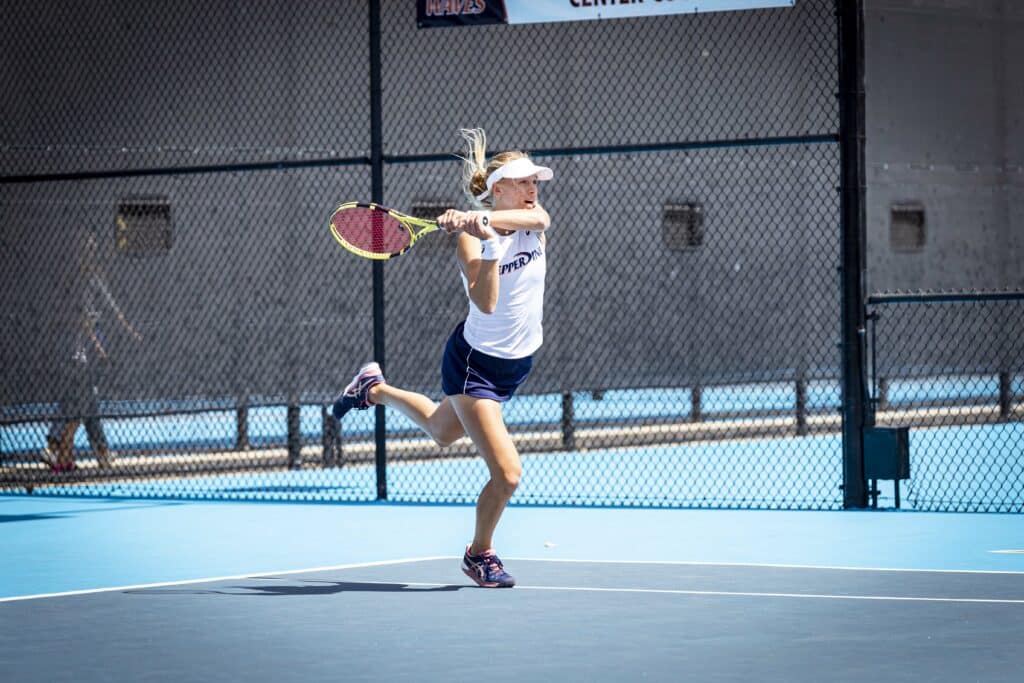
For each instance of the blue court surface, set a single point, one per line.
(128, 590)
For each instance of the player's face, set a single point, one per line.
(516, 193)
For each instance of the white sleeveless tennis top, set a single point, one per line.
(514, 329)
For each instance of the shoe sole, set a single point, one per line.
(484, 584)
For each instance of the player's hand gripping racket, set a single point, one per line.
(376, 232)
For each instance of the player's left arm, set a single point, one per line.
(533, 220)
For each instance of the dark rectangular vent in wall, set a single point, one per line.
(906, 226)
(143, 226)
(430, 209)
(682, 226)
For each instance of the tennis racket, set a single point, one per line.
(376, 232)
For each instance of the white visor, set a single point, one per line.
(519, 168)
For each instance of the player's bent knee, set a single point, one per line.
(444, 441)
(508, 482)
(446, 438)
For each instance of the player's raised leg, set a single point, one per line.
(437, 420)
(369, 388)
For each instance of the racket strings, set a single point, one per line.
(372, 231)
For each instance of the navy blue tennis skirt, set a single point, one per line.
(464, 370)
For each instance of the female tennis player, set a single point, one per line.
(501, 253)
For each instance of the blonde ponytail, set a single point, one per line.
(476, 169)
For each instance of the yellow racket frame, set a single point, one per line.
(417, 227)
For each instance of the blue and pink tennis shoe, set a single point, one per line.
(486, 569)
(356, 394)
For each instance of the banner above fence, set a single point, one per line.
(435, 13)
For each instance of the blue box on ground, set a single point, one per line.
(887, 453)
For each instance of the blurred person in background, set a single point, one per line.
(86, 356)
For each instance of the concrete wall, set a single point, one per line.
(255, 298)
(945, 96)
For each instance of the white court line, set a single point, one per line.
(667, 591)
(806, 596)
(740, 594)
(236, 577)
(685, 563)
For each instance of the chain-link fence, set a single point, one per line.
(172, 291)
(950, 366)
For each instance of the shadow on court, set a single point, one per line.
(119, 506)
(310, 588)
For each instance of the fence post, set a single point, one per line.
(852, 248)
(568, 426)
(242, 424)
(695, 403)
(377, 194)
(331, 442)
(294, 435)
(1005, 395)
(801, 407)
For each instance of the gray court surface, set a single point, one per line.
(420, 620)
